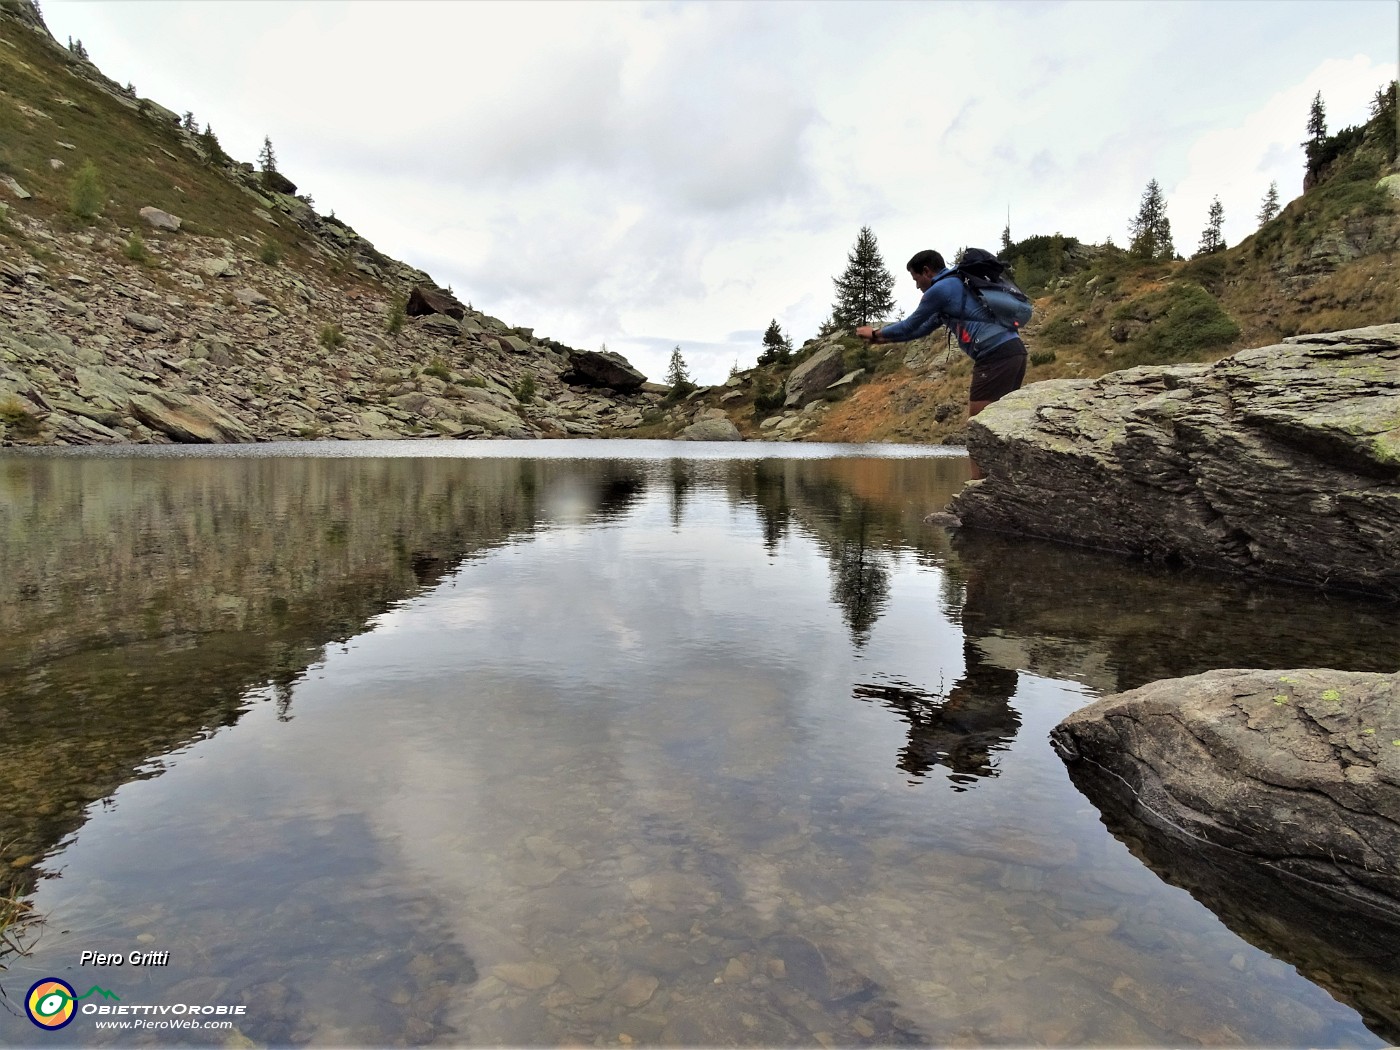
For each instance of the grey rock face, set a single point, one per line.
(144, 322)
(603, 368)
(1282, 460)
(711, 430)
(813, 376)
(423, 301)
(1298, 769)
(1273, 797)
(161, 220)
(185, 418)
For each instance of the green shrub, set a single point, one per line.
(1062, 331)
(18, 418)
(766, 397)
(1042, 357)
(397, 316)
(1205, 270)
(332, 338)
(437, 367)
(271, 253)
(1185, 321)
(524, 390)
(86, 195)
(135, 249)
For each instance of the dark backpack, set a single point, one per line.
(984, 275)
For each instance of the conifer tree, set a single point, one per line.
(777, 346)
(863, 290)
(1150, 234)
(1317, 138)
(212, 150)
(1269, 208)
(1212, 240)
(678, 376)
(1006, 234)
(267, 160)
(1384, 114)
(1317, 120)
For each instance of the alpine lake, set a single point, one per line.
(607, 744)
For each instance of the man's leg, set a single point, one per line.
(991, 382)
(973, 407)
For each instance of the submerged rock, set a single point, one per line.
(1282, 460)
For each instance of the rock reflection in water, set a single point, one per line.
(529, 752)
(1347, 946)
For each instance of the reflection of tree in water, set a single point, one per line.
(765, 484)
(681, 483)
(961, 730)
(861, 582)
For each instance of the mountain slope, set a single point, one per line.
(152, 289)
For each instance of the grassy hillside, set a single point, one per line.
(58, 113)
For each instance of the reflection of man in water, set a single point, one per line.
(960, 731)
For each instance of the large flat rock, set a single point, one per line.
(1282, 461)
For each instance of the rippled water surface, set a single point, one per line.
(603, 744)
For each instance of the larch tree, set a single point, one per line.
(1269, 208)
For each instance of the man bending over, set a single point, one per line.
(998, 355)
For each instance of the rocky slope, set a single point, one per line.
(193, 299)
(1282, 461)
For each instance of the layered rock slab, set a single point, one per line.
(1282, 460)
(1298, 770)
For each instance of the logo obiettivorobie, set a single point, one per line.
(51, 1002)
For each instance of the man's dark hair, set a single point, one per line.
(928, 259)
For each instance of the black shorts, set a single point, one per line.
(994, 379)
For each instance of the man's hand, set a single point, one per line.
(867, 331)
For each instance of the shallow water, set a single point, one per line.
(538, 743)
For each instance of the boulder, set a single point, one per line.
(279, 183)
(711, 429)
(810, 379)
(1298, 770)
(144, 322)
(191, 419)
(602, 368)
(1282, 461)
(161, 220)
(423, 301)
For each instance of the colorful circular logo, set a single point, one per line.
(49, 1003)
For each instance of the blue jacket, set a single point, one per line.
(947, 302)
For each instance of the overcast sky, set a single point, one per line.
(653, 175)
